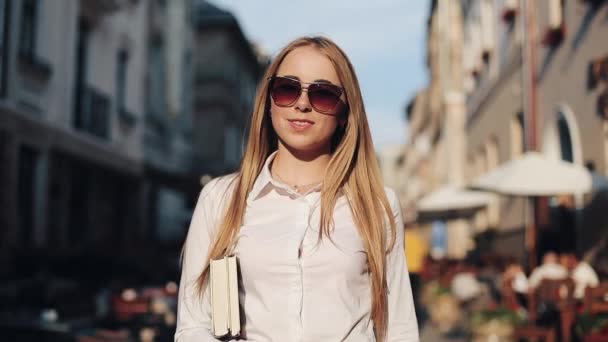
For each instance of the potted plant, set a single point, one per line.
(494, 324)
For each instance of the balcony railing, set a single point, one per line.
(509, 11)
(555, 31)
(100, 8)
(602, 104)
(93, 113)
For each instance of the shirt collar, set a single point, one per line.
(264, 179)
(264, 183)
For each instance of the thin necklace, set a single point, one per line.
(297, 188)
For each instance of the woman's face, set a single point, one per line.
(299, 126)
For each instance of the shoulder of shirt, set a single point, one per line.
(218, 188)
(393, 200)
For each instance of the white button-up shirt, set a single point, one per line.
(294, 287)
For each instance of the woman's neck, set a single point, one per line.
(298, 168)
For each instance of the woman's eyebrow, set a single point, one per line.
(320, 80)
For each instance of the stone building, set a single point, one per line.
(559, 51)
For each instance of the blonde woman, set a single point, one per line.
(318, 238)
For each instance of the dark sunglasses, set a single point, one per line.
(323, 97)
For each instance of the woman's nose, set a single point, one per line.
(303, 103)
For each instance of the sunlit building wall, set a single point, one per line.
(226, 72)
(568, 41)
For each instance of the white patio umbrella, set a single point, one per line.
(451, 202)
(451, 197)
(535, 175)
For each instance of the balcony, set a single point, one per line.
(592, 2)
(556, 28)
(597, 72)
(34, 67)
(509, 11)
(93, 113)
(95, 9)
(554, 36)
(602, 104)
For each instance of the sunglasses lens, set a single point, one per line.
(284, 91)
(323, 97)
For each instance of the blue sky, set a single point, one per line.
(385, 40)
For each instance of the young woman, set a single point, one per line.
(318, 238)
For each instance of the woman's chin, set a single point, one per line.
(305, 145)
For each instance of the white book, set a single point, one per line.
(225, 311)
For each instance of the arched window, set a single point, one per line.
(491, 149)
(565, 140)
(470, 167)
(480, 220)
(606, 147)
(517, 135)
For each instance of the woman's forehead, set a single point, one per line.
(308, 64)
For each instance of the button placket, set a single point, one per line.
(302, 226)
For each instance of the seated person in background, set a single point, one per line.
(550, 269)
(515, 285)
(547, 311)
(465, 285)
(515, 278)
(581, 272)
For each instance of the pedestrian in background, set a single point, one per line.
(318, 237)
(416, 250)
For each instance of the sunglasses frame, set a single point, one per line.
(340, 91)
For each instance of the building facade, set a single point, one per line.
(508, 48)
(71, 123)
(171, 182)
(226, 74)
(108, 120)
(434, 155)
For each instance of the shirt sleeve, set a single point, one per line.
(402, 324)
(194, 310)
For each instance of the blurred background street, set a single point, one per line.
(489, 117)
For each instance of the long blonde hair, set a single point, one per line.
(352, 171)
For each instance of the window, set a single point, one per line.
(27, 39)
(171, 209)
(487, 18)
(80, 191)
(472, 53)
(4, 26)
(509, 11)
(492, 160)
(556, 14)
(480, 220)
(5, 196)
(606, 146)
(28, 164)
(471, 172)
(517, 135)
(565, 140)
(81, 70)
(157, 81)
(481, 164)
(121, 80)
(91, 108)
(555, 30)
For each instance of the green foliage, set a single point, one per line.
(500, 314)
(587, 324)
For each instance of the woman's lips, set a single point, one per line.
(300, 125)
